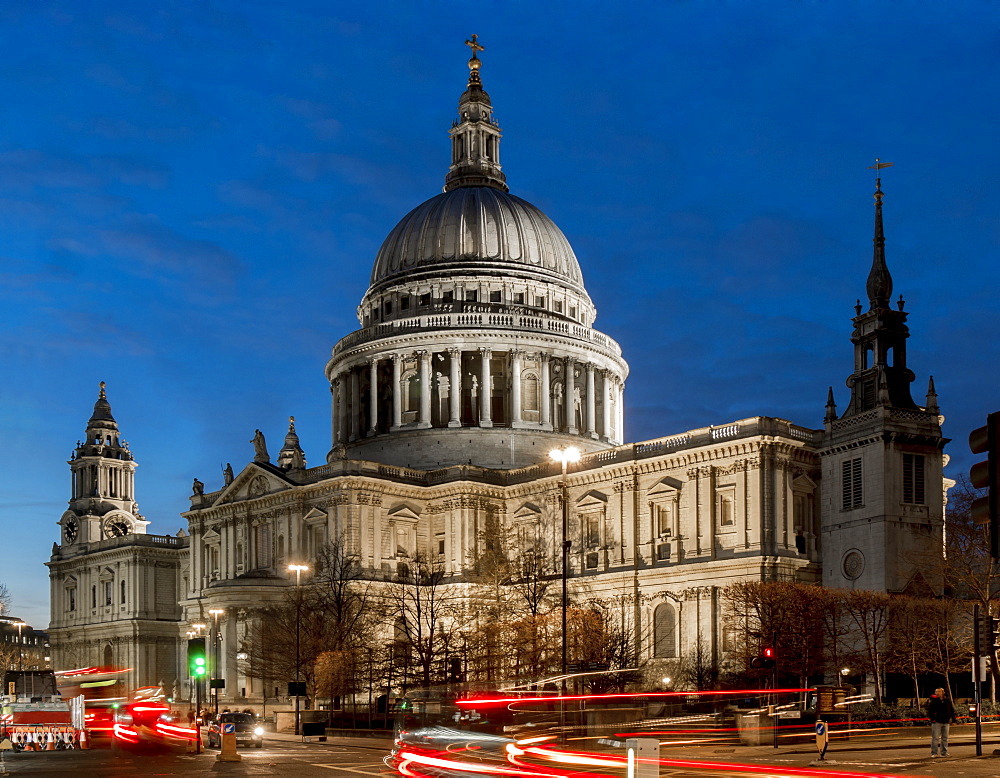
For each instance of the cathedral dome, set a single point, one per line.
(477, 229)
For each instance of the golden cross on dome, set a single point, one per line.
(474, 45)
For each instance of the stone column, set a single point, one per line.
(515, 388)
(355, 404)
(606, 405)
(620, 390)
(569, 400)
(485, 390)
(455, 397)
(546, 407)
(373, 396)
(591, 402)
(424, 360)
(397, 401)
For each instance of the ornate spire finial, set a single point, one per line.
(879, 285)
(475, 135)
(831, 406)
(291, 424)
(102, 395)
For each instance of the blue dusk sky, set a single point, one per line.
(192, 195)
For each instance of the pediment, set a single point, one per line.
(663, 486)
(592, 499)
(528, 511)
(404, 512)
(804, 483)
(314, 516)
(211, 536)
(255, 480)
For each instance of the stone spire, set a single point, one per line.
(932, 398)
(831, 406)
(879, 286)
(291, 456)
(475, 135)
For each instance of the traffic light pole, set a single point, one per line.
(197, 714)
(977, 671)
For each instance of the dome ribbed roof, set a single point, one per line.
(477, 228)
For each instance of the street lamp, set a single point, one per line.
(298, 570)
(215, 613)
(20, 648)
(564, 455)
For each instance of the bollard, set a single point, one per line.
(50, 742)
(227, 752)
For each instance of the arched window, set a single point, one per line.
(664, 632)
(529, 396)
(109, 656)
(410, 394)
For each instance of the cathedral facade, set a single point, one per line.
(475, 357)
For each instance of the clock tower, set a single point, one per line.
(103, 503)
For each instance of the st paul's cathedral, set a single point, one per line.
(475, 357)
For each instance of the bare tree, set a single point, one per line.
(5, 599)
(427, 612)
(783, 615)
(870, 614)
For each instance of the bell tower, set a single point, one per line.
(102, 503)
(883, 505)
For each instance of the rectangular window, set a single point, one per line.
(557, 306)
(449, 296)
(852, 494)
(539, 302)
(107, 592)
(404, 302)
(471, 295)
(72, 599)
(425, 300)
(913, 479)
(495, 297)
(441, 546)
(519, 298)
(867, 395)
(387, 307)
(572, 312)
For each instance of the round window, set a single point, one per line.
(854, 564)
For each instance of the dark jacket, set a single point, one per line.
(940, 710)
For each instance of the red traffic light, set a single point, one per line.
(769, 653)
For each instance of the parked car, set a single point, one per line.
(248, 730)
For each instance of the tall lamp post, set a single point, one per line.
(20, 646)
(298, 570)
(564, 455)
(215, 613)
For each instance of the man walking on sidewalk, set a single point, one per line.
(942, 714)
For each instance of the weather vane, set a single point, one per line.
(876, 167)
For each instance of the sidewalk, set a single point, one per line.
(866, 750)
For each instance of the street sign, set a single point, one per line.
(228, 729)
(822, 738)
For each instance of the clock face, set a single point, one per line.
(116, 528)
(70, 530)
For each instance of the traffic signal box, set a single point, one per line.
(986, 475)
(989, 635)
(765, 661)
(197, 661)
